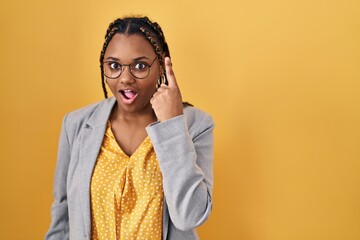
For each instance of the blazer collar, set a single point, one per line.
(101, 114)
(91, 139)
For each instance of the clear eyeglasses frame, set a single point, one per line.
(138, 69)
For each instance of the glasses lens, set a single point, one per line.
(112, 69)
(139, 69)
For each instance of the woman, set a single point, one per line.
(137, 165)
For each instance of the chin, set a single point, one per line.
(135, 107)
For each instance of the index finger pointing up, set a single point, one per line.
(170, 73)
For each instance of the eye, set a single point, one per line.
(139, 65)
(114, 65)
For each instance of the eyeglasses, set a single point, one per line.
(138, 69)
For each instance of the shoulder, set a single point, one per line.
(197, 118)
(84, 113)
(94, 115)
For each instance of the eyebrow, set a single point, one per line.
(134, 59)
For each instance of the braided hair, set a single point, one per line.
(151, 31)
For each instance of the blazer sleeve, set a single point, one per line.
(59, 227)
(186, 162)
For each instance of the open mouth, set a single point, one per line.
(128, 96)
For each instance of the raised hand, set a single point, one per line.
(167, 101)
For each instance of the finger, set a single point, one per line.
(161, 88)
(170, 73)
(156, 94)
(153, 99)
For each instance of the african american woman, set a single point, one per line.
(138, 165)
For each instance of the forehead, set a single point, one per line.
(128, 47)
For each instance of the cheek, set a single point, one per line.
(151, 84)
(111, 85)
(151, 87)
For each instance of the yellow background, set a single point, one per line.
(281, 79)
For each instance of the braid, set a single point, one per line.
(156, 27)
(110, 32)
(166, 47)
(154, 44)
(111, 25)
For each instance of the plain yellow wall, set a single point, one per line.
(281, 79)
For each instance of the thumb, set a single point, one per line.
(170, 73)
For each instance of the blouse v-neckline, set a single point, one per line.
(112, 135)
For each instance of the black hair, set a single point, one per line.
(151, 31)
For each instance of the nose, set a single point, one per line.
(126, 77)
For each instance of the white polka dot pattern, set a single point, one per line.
(126, 192)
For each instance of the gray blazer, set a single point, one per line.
(184, 148)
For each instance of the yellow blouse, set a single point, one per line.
(126, 192)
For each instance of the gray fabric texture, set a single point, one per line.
(184, 149)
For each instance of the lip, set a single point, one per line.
(125, 99)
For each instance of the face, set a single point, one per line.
(132, 94)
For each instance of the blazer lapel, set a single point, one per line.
(91, 140)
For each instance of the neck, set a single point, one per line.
(146, 115)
